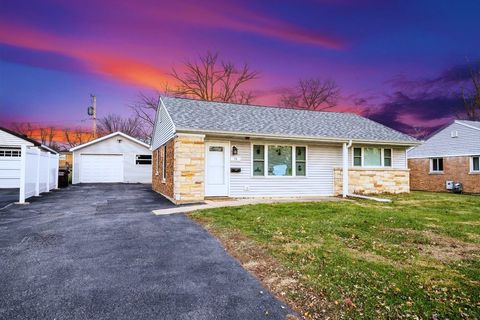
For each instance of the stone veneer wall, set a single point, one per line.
(189, 168)
(456, 169)
(164, 187)
(373, 181)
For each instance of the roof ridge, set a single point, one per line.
(258, 105)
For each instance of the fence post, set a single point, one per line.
(56, 171)
(23, 162)
(48, 171)
(37, 179)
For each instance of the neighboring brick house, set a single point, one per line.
(209, 149)
(452, 154)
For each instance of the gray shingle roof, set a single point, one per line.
(190, 114)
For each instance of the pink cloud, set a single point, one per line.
(99, 60)
(229, 15)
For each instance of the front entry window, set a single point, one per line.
(279, 160)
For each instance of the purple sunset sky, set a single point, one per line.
(401, 63)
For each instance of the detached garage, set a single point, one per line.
(116, 157)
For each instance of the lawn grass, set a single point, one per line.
(416, 257)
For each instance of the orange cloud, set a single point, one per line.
(102, 61)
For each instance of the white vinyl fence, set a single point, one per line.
(38, 172)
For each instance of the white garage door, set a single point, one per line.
(101, 168)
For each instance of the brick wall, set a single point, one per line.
(454, 168)
(373, 181)
(164, 187)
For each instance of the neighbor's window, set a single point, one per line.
(437, 165)
(258, 160)
(7, 152)
(387, 157)
(476, 164)
(279, 160)
(164, 169)
(143, 159)
(300, 161)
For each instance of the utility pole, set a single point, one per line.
(92, 111)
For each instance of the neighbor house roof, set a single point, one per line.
(29, 140)
(108, 136)
(206, 116)
(469, 123)
(459, 138)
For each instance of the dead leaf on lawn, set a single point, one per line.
(282, 282)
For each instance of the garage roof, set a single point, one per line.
(118, 133)
(29, 141)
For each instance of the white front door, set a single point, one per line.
(216, 169)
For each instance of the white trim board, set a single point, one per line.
(108, 137)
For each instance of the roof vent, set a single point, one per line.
(454, 134)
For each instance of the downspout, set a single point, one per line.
(345, 148)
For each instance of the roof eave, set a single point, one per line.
(304, 138)
(108, 137)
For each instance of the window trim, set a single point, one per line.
(471, 165)
(362, 158)
(143, 164)
(436, 171)
(265, 160)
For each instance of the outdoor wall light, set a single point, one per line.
(234, 150)
(119, 140)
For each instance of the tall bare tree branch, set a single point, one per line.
(213, 80)
(471, 96)
(130, 126)
(76, 136)
(312, 94)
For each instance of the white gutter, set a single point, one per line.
(303, 138)
(345, 148)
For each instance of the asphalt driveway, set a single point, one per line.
(8, 196)
(97, 252)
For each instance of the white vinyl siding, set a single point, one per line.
(9, 140)
(321, 160)
(164, 128)
(465, 143)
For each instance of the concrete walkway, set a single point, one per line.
(221, 203)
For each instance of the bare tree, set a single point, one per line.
(76, 136)
(144, 110)
(130, 126)
(207, 79)
(24, 128)
(312, 94)
(471, 96)
(47, 136)
(213, 80)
